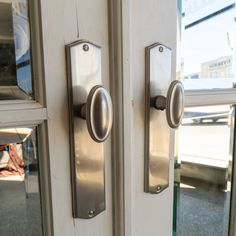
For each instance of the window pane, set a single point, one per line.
(20, 208)
(208, 43)
(203, 170)
(15, 58)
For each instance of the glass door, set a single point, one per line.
(25, 206)
(204, 155)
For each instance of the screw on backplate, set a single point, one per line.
(91, 213)
(158, 189)
(86, 47)
(161, 49)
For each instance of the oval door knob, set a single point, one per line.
(173, 103)
(98, 112)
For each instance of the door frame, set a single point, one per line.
(122, 139)
(117, 136)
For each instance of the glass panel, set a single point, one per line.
(208, 44)
(15, 58)
(20, 208)
(203, 170)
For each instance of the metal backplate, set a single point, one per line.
(157, 131)
(87, 157)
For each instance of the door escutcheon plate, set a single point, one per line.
(87, 156)
(157, 131)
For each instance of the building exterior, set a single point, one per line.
(218, 68)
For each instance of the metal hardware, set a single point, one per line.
(85, 47)
(90, 110)
(158, 190)
(173, 103)
(157, 130)
(98, 113)
(91, 213)
(161, 49)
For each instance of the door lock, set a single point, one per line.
(91, 116)
(173, 103)
(98, 113)
(161, 94)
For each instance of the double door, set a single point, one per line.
(144, 170)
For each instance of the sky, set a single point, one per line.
(210, 39)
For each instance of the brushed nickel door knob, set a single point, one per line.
(98, 113)
(173, 103)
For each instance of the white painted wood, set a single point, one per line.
(116, 88)
(64, 22)
(210, 97)
(19, 105)
(144, 23)
(11, 118)
(128, 102)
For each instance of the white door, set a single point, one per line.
(124, 29)
(201, 152)
(63, 23)
(128, 34)
(35, 147)
(146, 23)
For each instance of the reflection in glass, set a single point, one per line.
(15, 59)
(203, 170)
(20, 210)
(208, 43)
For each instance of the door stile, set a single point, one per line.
(116, 86)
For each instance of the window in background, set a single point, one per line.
(203, 171)
(208, 43)
(20, 208)
(15, 53)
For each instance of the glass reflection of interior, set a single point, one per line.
(208, 45)
(15, 59)
(203, 171)
(20, 209)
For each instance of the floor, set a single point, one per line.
(203, 211)
(203, 197)
(20, 213)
